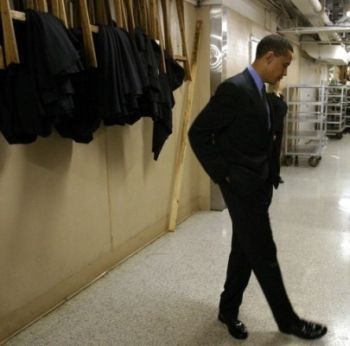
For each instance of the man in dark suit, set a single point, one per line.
(233, 139)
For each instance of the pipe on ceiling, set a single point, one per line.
(318, 8)
(316, 5)
(314, 12)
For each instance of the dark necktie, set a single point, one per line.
(264, 97)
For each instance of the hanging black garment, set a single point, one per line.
(169, 81)
(85, 120)
(109, 97)
(18, 109)
(175, 72)
(52, 59)
(157, 100)
(133, 76)
(119, 85)
(39, 91)
(21, 109)
(162, 121)
(149, 101)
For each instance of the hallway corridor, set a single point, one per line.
(167, 294)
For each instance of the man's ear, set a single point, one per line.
(269, 56)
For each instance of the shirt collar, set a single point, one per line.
(257, 79)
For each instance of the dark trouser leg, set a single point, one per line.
(237, 277)
(253, 231)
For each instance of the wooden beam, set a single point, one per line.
(161, 39)
(55, 8)
(94, 28)
(87, 34)
(100, 10)
(181, 15)
(180, 157)
(63, 12)
(118, 13)
(180, 58)
(145, 15)
(152, 15)
(17, 15)
(167, 28)
(10, 43)
(30, 4)
(130, 15)
(42, 5)
(124, 15)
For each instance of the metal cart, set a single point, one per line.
(347, 108)
(336, 110)
(305, 126)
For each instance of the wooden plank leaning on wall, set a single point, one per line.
(180, 157)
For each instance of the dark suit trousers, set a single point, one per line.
(253, 249)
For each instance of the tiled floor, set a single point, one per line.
(168, 293)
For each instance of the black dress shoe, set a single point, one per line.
(306, 330)
(235, 327)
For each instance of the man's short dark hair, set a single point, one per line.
(276, 43)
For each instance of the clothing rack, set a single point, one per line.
(124, 14)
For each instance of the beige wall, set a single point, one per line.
(69, 211)
(239, 32)
(238, 35)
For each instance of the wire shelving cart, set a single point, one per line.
(347, 108)
(305, 126)
(336, 110)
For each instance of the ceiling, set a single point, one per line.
(294, 14)
(322, 27)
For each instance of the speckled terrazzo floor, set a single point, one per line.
(167, 294)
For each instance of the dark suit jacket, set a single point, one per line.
(230, 136)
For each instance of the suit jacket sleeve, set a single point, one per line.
(214, 118)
